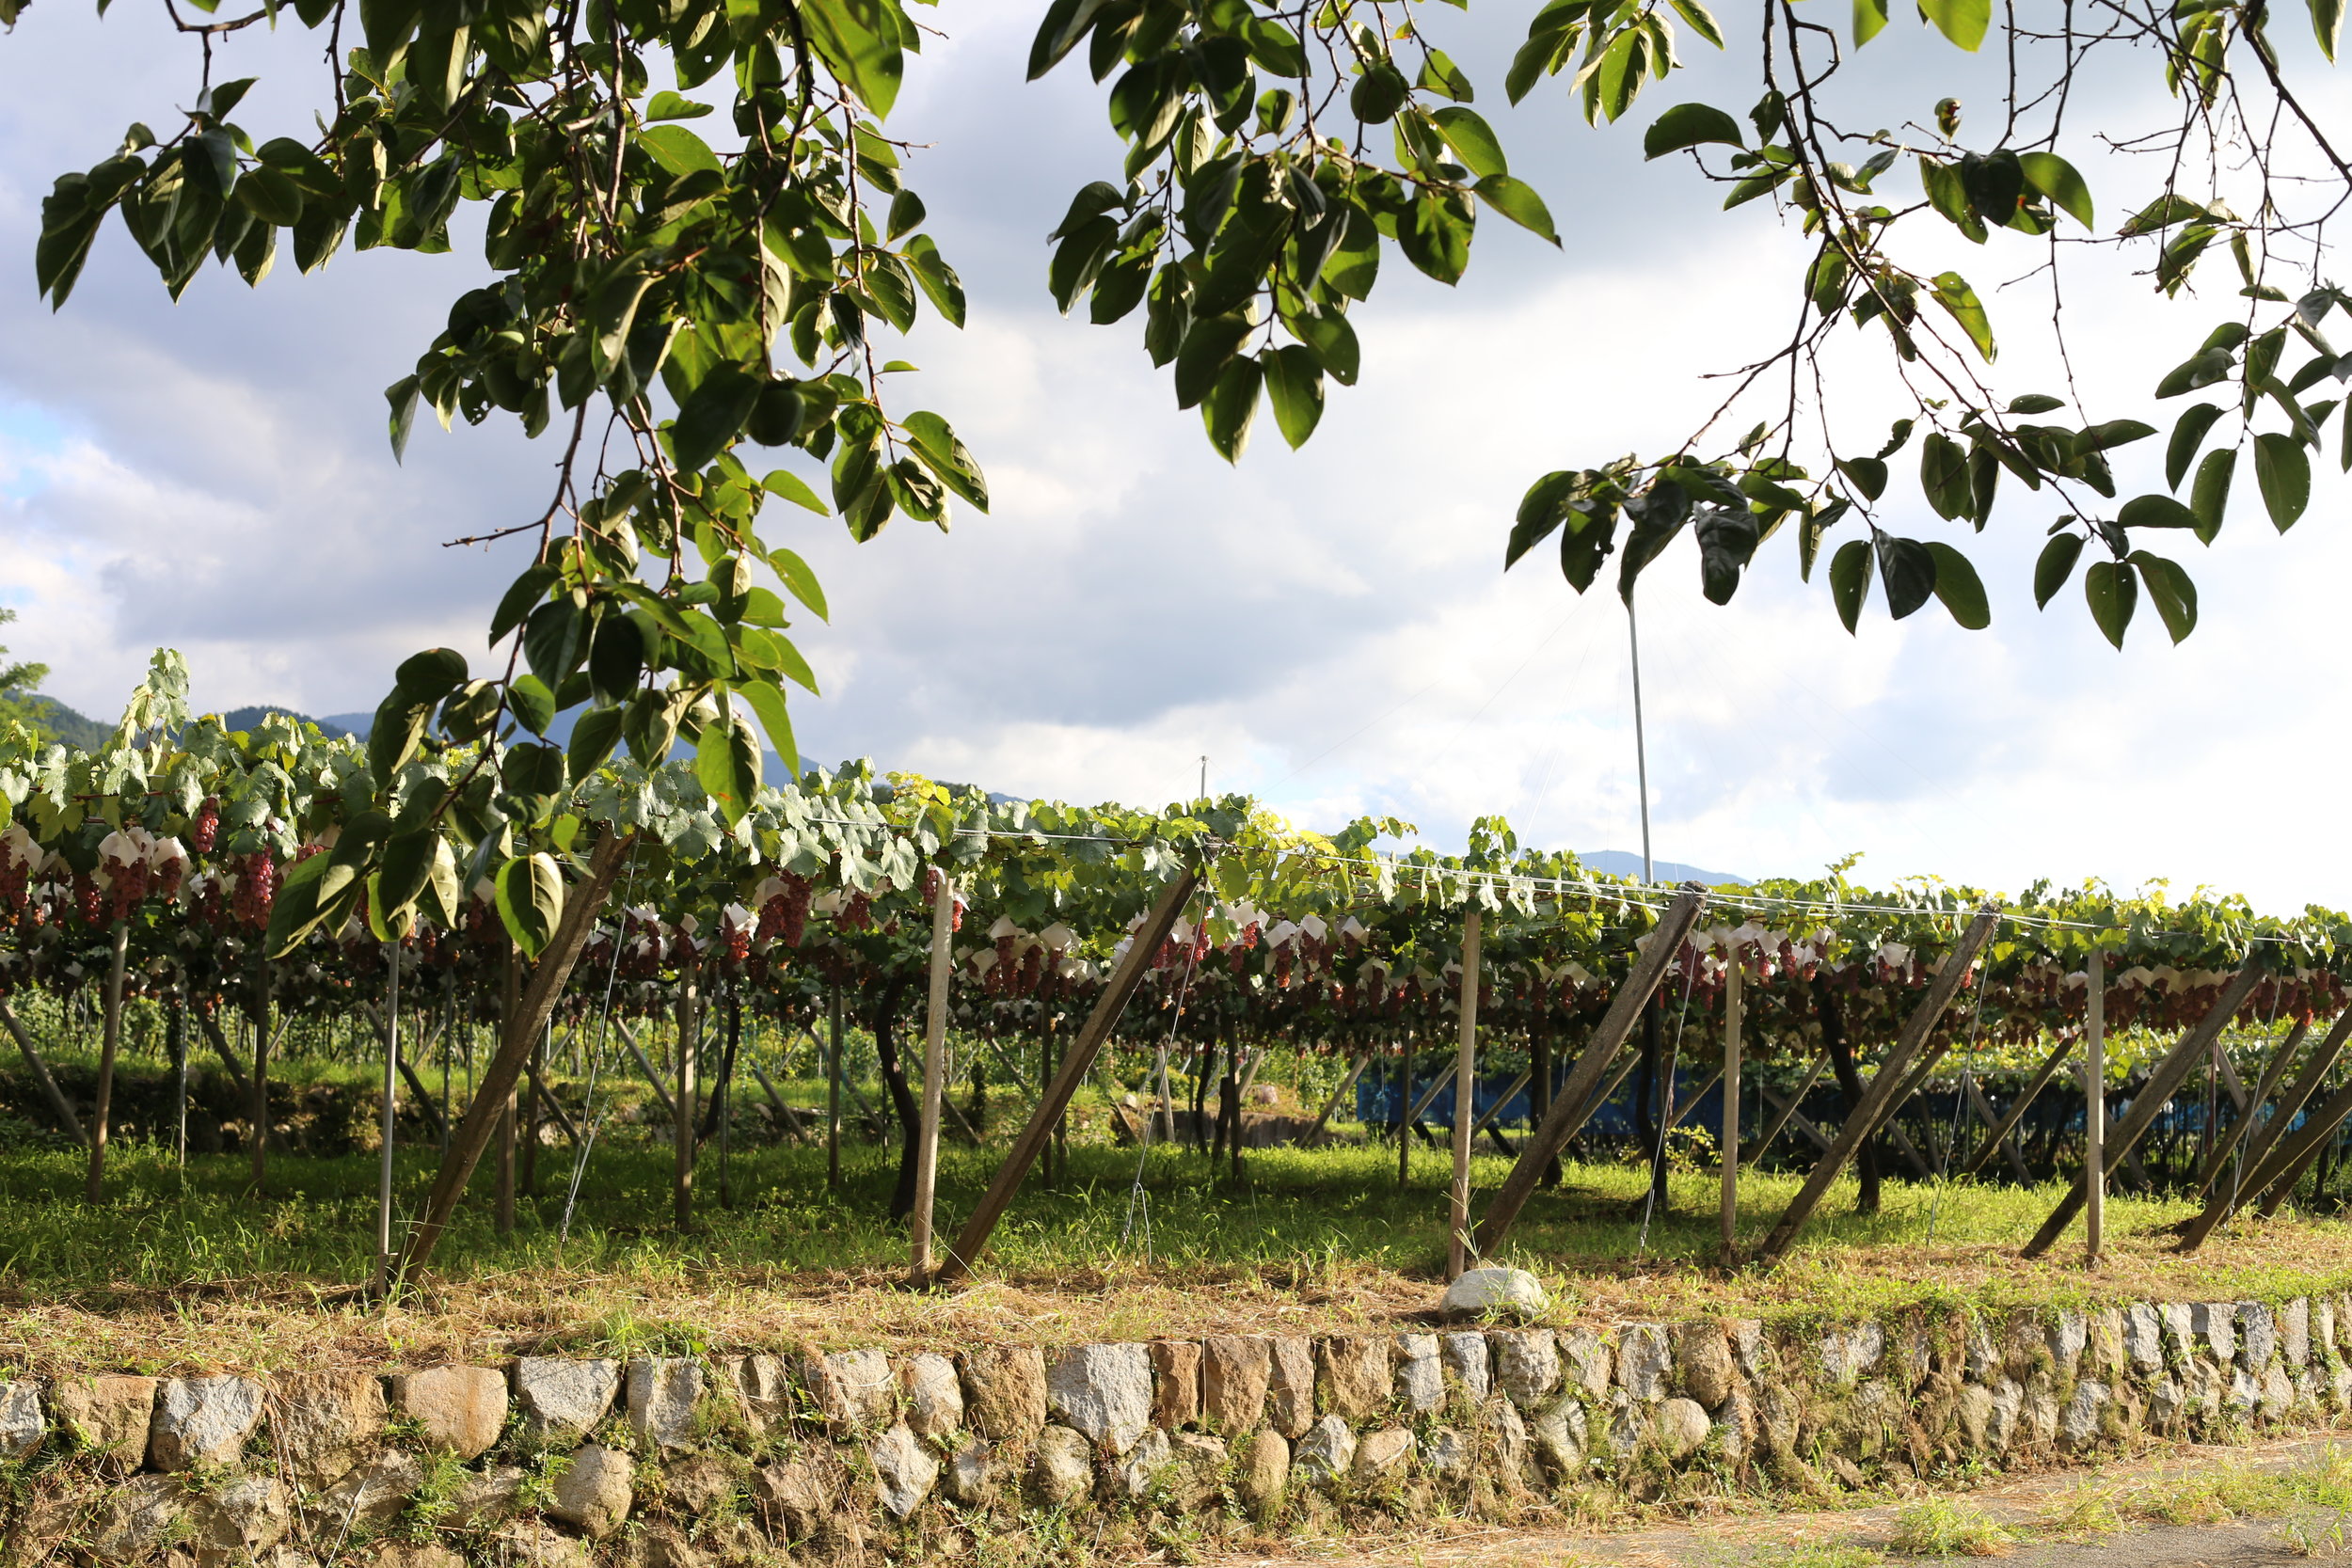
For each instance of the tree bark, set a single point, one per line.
(885, 1023)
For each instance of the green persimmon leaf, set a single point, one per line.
(1688, 125)
(2282, 469)
(2112, 588)
(1958, 586)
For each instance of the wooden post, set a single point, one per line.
(259, 1008)
(392, 1083)
(1880, 1099)
(471, 1139)
(1772, 1128)
(934, 1078)
(110, 1037)
(1568, 1110)
(1083, 1050)
(2289, 1161)
(59, 1106)
(832, 1090)
(684, 1105)
(2096, 1107)
(1332, 1105)
(1406, 1113)
(2164, 1080)
(1731, 1103)
(2272, 1072)
(1985, 1111)
(2306, 1081)
(1465, 1102)
(2017, 1109)
(723, 1100)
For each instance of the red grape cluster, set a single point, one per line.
(785, 913)
(206, 828)
(257, 888)
(89, 901)
(856, 913)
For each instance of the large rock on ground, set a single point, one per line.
(761, 1390)
(1471, 1365)
(202, 1420)
(1703, 1356)
(1588, 1362)
(375, 1493)
(1290, 1394)
(1495, 1293)
(1326, 1453)
(1527, 1365)
(1103, 1392)
(933, 1395)
(1354, 1379)
(1062, 1469)
(1176, 1383)
(1682, 1426)
(1264, 1474)
(855, 1389)
(21, 1424)
(462, 1409)
(1383, 1456)
(904, 1471)
(1419, 1374)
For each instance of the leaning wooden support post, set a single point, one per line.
(2319, 1132)
(1510, 1092)
(784, 1113)
(583, 905)
(1141, 946)
(1785, 1110)
(1465, 1102)
(1324, 1120)
(2276, 1157)
(683, 1106)
(934, 1079)
(110, 1040)
(1568, 1106)
(1730, 1144)
(1880, 1099)
(644, 1065)
(2094, 1107)
(2265, 1088)
(2298, 1093)
(1984, 1111)
(59, 1106)
(2017, 1108)
(2164, 1082)
(258, 1002)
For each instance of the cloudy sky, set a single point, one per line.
(1330, 627)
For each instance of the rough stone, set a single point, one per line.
(375, 1492)
(1326, 1453)
(971, 1476)
(2278, 1394)
(1591, 1364)
(1063, 1468)
(202, 1420)
(459, 1408)
(1469, 1364)
(1353, 1377)
(535, 1545)
(1780, 1417)
(1703, 1356)
(1644, 1363)
(2323, 1324)
(562, 1400)
(1447, 1452)
(2105, 1352)
(790, 1501)
(1983, 1358)
(21, 1424)
(662, 1392)
(904, 1470)
(1557, 1437)
(699, 1484)
(402, 1554)
(1193, 1474)
(1848, 1353)
(2242, 1393)
(594, 1493)
(1265, 1473)
(2214, 1324)
(1527, 1365)
(933, 1395)
(1004, 1391)
(761, 1391)
(660, 1544)
(2180, 1328)
(1383, 1456)
(2039, 1418)
(2067, 1333)
(1234, 1374)
(1848, 1472)
(324, 1423)
(1290, 1391)
(2008, 1405)
(2143, 1335)
(2167, 1400)
(855, 1389)
(2078, 1423)
(1419, 1375)
(2258, 1331)
(1499, 1426)
(1750, 1352)
(485, 1497)
(1495, 1293)
(1974, 1412)
(1682, 1426)
(1175, 1383)
(2294, 1332)
(234, 1522)
(1103, 1392)
(108, 1415)
(139, 1516)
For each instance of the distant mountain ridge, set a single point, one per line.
(1622, 863)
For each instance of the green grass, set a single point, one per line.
(1949, 1527)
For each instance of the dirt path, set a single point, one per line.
(1861, 1536)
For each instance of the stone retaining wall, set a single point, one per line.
(696, 1462)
